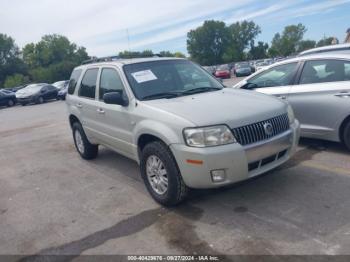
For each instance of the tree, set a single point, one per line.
(242, 36)
(325, 41)
(259, 51)
(305, 45)
(10, 62)
(179, 55)
(208, 43)
(53, 58)
(16, 80)
(136, 54)
(287, 43)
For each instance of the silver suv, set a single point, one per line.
(179, 123)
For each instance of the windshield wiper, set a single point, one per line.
(200, 90)
(161, 95)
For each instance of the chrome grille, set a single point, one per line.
(254, 133)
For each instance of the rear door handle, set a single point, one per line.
(100, 111)
(79, 105)
(343, 94)
(282, 97)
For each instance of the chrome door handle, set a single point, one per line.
(100, 111)
(79, 105)
(343, 94)
(282, 97)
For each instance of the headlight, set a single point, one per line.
(208, 136)
(290, 115)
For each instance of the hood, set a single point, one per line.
(25, 93)
(228, 106)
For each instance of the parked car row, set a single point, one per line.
(33, 93)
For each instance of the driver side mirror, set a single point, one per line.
(249, 86)
(115, 98)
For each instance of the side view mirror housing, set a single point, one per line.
(249, 86)
(115, 98)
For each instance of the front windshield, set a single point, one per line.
(33, 88)
(180, 77)
(242, 65)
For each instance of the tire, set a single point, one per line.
(10, 103)
(176, 190)
(40, 100)
(86, 150)
(346, 135)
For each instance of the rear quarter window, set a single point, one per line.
(73, 81)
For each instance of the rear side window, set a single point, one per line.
(322, 71)
(73, 81)
(110, 82)
(88, 84)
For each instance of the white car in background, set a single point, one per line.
(318, 89)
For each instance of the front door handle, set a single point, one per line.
(100, 111)
(79, 105)
(282, 97)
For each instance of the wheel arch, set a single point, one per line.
(342, 127)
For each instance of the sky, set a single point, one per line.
(106, 27)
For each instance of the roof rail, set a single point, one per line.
(95, 59)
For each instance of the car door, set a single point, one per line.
(52, 92)
(2, 99)
(275, 81)
(114, 121)
(86, 102)
(321, 99)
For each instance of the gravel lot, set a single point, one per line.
(53, 202)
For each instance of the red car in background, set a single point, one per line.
(223, 71)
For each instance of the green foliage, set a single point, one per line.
(287, 43)
(208, 43)
(242, 36)
(53, 58)
(259, 51)
(10, 63)
(305, 45)
(325, 41)
(16, 80)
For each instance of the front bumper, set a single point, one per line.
(240, 163)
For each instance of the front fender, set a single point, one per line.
(158, 129)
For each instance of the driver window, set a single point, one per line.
(110, 82)
(281, 75)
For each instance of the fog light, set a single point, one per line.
(218, 175)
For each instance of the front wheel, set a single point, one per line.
(40, 100)
(161, 174)
(346, 135)
(86, 150)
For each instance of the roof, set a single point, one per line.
(132, 61)
(325, 48)
(313, 57)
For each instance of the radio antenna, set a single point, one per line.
(127, 34)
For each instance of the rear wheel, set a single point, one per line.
(86, 150)
(346, 135)
(10, 103)
(161, 174)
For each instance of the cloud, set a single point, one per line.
(101, 25)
